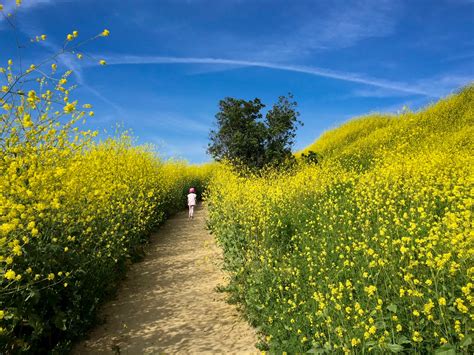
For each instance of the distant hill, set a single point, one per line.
(446, 125)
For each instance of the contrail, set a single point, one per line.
(316, 71)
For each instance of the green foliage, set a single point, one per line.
(310, 157)
(245, 139)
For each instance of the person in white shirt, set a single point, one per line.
(191, 202)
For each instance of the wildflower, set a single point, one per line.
(10, 274)
(428, 307)
(417, 337)
(460, 305)
(370, 290)
(69, 108)
(17, 250)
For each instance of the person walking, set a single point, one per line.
(191, 202)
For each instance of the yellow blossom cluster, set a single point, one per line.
(74, 211)
(371, 249)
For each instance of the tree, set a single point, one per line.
(281, 124)
(243, 137)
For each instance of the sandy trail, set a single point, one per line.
(168, 303)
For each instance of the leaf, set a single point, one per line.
(446, 349)
(60, 320)
(395, 348)
(403, 340)
(392, 308)
(466, 341)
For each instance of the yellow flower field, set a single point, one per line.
(371, 249)
(74, 211)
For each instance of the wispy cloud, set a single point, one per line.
(241, 28)
(180, 149)
(316, 71)
(10, 6)
(444, 84)
(376, 93)
(70, 62)
(345, 25)
(413, 104)
(176, 123)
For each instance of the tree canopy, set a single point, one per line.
(245, 137)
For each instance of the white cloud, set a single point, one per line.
(377, 93)
(279, 31)
(10, 6)
(347, 23)
(444, 84)
(70, 62)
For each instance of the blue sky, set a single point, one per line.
(171, 61)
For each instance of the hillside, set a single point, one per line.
(369, 250)
(446, 125)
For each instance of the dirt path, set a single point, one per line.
(168, 301)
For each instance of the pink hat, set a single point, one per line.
(191, 189)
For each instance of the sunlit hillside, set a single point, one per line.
(371, 248)
(446, 125)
